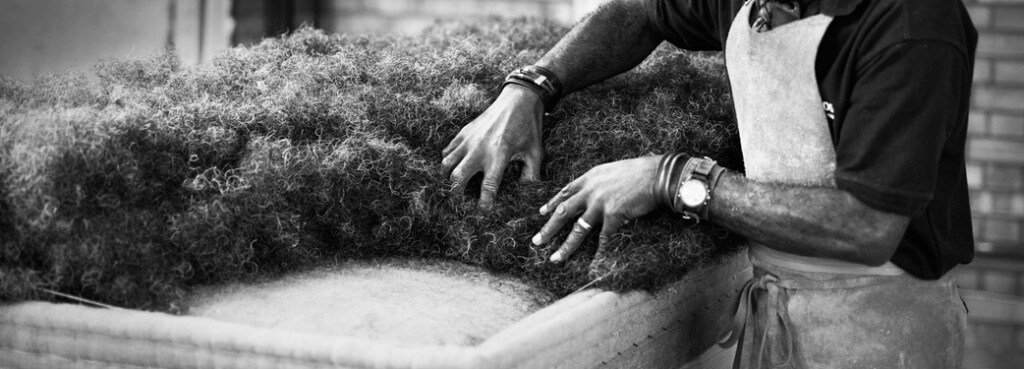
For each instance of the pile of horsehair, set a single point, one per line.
(136, 180)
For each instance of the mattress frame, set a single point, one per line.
(675, 327)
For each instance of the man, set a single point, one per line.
(852, 118)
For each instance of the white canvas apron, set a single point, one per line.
(803, 312)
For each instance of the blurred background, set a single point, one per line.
(39, 36)
(44, 36)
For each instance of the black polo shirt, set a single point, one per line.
(898, 76)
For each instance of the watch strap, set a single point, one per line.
(683, 175)
(713, 177)
(702, 168)
(705, 170)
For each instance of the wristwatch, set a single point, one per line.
(694, 192)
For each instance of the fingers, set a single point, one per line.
(489, 187)
(531, 168)
(466, 166)
(580, 229)
(563, 209)
(452, 159)
(561, 214)
(455, 143)
(609, 226)
(461, 175)
(566, 192)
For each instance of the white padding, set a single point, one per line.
(588, 329)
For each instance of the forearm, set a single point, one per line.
(811, 221)
(611, 40)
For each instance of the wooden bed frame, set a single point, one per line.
(675, 327)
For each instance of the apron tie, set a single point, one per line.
(744, 312)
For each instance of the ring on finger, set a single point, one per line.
(583, 224)
(573, 241)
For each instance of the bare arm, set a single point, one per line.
(611, 40)
(810, 221)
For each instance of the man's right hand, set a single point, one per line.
(509, 130)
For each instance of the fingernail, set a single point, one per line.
(556, 257)
(561, 208)
(536, 239)
(544, 209)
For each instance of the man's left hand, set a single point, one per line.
(609, 195)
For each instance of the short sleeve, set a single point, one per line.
(692, 24)
(905, 105)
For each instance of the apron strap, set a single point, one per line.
(744, 312)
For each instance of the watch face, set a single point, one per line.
(693, 192)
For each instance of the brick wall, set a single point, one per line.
(995, 149)
(995, 146)
(993, 285)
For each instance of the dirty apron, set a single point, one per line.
(804, 312)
